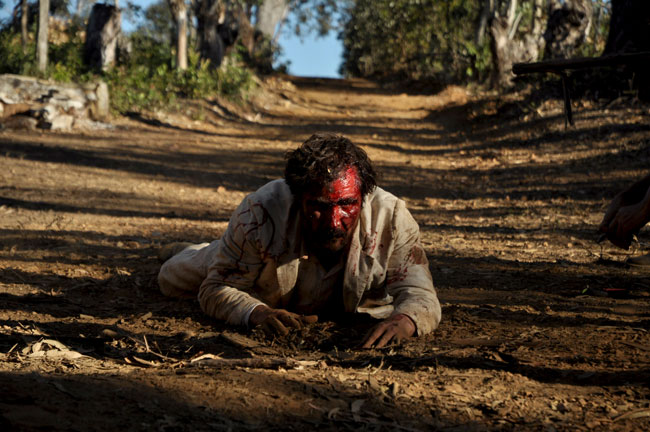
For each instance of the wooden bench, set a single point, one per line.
(561, 66)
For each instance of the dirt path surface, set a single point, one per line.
(507, 200)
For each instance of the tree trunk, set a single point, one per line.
(209, 14)
(629, 31)
(484, 18)
(41, 46)
(82, 6)
(269, 14)
(629, 27)
(248, 35)
(181, 48)
(191, 16)
(102, 33)
(79, 7)
(219, 22)
(24, 19)
(507, 49)
(178, 9)
(268, 21)
(567, 27)
(538, 17)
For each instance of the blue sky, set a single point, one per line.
(315, 57)
(311, 56)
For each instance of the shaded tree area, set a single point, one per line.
(215, 28)
(467, 40)
(629, 33)
(178, 9)
(456, 41)
(149, 68)
(630, 27)
(567, 27)
(408, 39)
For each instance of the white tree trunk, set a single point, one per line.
(508, 47)
(269, 14)
(82, 7)
(511, 15)
(79, 7)
(178, 9)
(538, 17)
(41, 45)
(181, 48)
(23, 24)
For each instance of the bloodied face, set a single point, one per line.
(331, 213)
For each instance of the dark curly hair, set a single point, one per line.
(320, 160)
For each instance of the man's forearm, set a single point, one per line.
(637, 191)
(645, 203)
(227, 303)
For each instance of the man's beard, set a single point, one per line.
(332, 240)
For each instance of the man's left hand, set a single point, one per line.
(396, 328)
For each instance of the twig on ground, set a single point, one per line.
(149, 351)
(212, 360)
(633, 415)
(146, 344)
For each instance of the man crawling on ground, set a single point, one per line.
(323, 241)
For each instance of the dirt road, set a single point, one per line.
(507, 201)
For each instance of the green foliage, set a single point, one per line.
(436, 39)
(233, 79)
(413, 39)
(64, 59)
(599, 30)
(315, 16)
(157, 23)
(14, 60)
(148, 81)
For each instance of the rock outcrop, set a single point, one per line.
(52, 105)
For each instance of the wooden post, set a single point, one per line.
(568, 114)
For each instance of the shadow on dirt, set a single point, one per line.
(363, 86)
(157, 123)
(32, 401)
(210, 168)
(40, 401)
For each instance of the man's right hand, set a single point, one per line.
(628, 212)
(610, 213)
(275, 321)
(622, 221)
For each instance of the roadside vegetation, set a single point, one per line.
(204, 48)
(144, 78)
